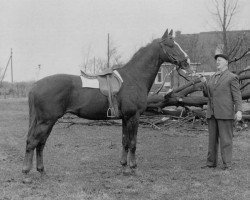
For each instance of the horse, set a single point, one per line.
(53, 96)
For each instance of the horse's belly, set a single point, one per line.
(93, 115)
(89, 104)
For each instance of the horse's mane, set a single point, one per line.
(141, 51)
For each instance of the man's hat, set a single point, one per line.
(221, 55)
(219, 52)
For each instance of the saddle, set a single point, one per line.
(94, 76)
(110, 83)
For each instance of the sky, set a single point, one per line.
(59, 35)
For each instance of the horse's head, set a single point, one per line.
(173, 53)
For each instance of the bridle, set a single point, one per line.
(174, 60)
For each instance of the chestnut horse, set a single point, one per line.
(53, 96)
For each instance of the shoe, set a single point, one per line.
(208, 166)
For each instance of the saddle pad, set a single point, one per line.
(90, 83)
(94, 83)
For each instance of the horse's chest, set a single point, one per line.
(133, 101)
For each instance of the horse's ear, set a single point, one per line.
(171, 32)
(165, 35)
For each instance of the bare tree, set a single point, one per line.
(86, 58)
(235, 44)
(114, 56)
(94, 64)
(225, 10)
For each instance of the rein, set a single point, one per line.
(164, 80)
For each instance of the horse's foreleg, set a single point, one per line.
(39, 158)
(125, 143)
(132, 149)
(133, 140)
(130, 128)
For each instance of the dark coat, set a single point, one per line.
(224, 96)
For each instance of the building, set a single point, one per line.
(168, 76)
(201, 49)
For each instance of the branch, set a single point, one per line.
(244, 70)
(244, 77)
(180, 96)
(232, 13)
(243, 86)
(182, 88)
(218, 13)
(233, 49)
(238, 49)
(236, 59)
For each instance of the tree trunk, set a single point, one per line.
(182, 96)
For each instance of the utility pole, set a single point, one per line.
(11, 65)
(108, 52)
(38, 71)
(94, 64)
(10, 60)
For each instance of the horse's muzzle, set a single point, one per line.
(185, 65)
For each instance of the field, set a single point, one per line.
(82, 162)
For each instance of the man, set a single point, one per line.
(224, 105)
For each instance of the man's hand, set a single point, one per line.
(238, 116)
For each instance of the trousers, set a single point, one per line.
(220, 132)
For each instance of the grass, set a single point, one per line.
(82, 162)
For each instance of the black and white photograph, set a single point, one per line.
(124, 99)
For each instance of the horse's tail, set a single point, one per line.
(32, 110)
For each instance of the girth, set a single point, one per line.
(110, 84)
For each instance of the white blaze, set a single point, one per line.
(188, 60)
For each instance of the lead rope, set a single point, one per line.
(164, 80)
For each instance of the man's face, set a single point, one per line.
(221, 64)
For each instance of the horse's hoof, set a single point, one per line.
(40, 170)
(27, 180)
(126, 171)
(136, 172)
(25, 171)
(124, 163)
(133, 166)
(43, 175)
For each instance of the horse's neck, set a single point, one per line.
(144, 67)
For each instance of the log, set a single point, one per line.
(245, 95)
(244, 77)
(246, 117)
(182, 96)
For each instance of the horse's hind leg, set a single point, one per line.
(37, 136)
(40, 146)
(29, 152)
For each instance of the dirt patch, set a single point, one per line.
(82, 162)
